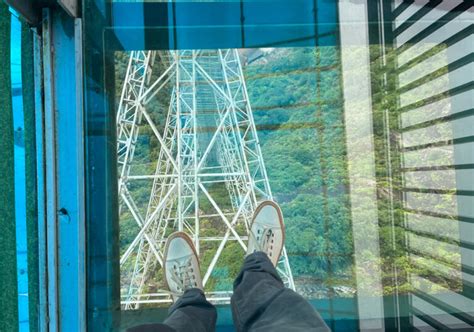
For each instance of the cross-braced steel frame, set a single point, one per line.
(208, 138)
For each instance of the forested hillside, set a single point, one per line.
(297, 104)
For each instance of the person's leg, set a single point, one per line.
(191, 312)
(260, 301)
(151, 328)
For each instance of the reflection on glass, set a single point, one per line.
(362, 132)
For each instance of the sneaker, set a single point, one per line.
(267, 232)
(181, 265)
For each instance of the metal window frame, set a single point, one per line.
(60, 168)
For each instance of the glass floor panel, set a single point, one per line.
(355, 117)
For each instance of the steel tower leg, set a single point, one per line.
(209, 139)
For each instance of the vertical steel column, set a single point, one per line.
(195, 154)
(179, 141)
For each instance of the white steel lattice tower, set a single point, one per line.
(209, 164)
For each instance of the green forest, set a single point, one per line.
(297, 105)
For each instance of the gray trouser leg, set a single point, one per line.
(191, 313)
(261, 302)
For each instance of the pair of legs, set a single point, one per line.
(260, 301)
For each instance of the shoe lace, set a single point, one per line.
(265, 238)
(262, 239)
(183, 275)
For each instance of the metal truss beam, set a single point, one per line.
(206, 89)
